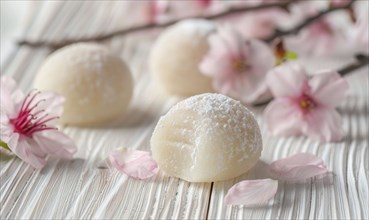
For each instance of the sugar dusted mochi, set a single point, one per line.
(205, 138)
(176, 55)
(97, 84)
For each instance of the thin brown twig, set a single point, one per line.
(141, 27)
(295, 30)
(361, 61)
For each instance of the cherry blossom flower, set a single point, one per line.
(337, 3)
(319, 38)
(237, 67)
(28, 124)
(204, 3)
(305, 105)
(260, 24)
(135, 163)
(158, 11)
(151, 11)
(322, 37)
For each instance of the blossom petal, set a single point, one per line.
(260, 24)
(328, 88)
(5, 131)
(252, 84)
(204, 3)
(216, 63)
(134, 163)
(283, 118)
(51, 104)
(298, 167)
(251, 192)
(55, 143)
(231, 40)
(323, 124)
(10, 95)
(26, 151)
(261, 56)
(287, 80)
(252, 91)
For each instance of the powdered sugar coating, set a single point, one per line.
(217, 137)
(176, 55)
(90, 56)
(96, 83)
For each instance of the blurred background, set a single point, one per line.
(14, 15)
(90, 18)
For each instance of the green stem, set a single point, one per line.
(4, 145)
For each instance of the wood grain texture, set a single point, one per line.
(85, 189)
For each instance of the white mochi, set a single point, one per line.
(176, 55)
(205, 138)
(97, 84)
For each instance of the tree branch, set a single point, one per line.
(141, 27)
(295, 30)
(361, 61)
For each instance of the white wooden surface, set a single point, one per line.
(81, 189)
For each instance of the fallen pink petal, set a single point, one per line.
(135, 163)
(251, 192)
(298, 167)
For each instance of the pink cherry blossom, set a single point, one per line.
(237, 67)
(305, 105)
(298, 167)
(337, 3)
(319, 38)
(204, 3)
(28, 124)
(260, 24)
(135, 163)
(324, 36)
(251, 192)
(148, 11)
(158, 11)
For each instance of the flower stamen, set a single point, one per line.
(306, 103)
(239, 66)
(28, 120)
